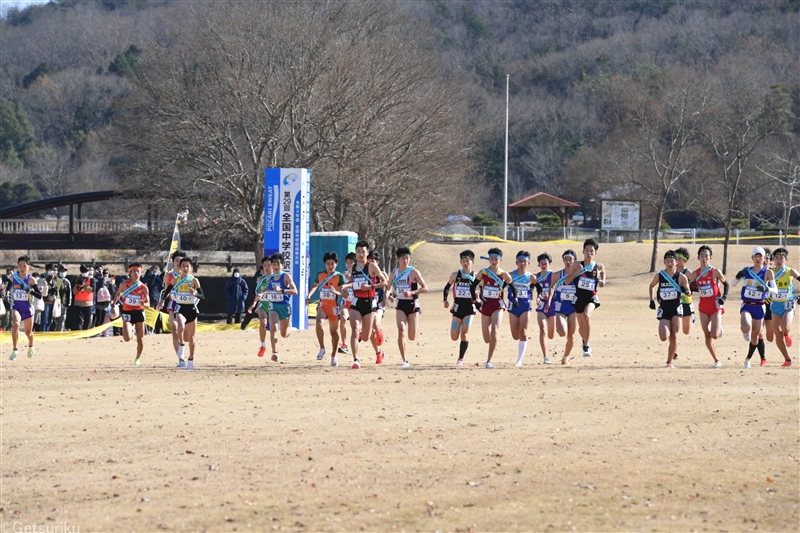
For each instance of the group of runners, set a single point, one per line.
(767, 309)
(562, 301)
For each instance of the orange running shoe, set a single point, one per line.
(379, 337)
(379, 358)
(787, 339)
(262, 351)
(788, 362)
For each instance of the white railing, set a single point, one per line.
(32, 225)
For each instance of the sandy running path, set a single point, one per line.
(613, 442)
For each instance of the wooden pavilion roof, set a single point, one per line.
(541, 199)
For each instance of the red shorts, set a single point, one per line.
(491, 305)
(709, 306)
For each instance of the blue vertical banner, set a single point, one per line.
(287, 229)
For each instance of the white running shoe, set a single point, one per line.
(180, 351)
(746, 336)
(321, 355)
(190, 364)
(518, 363)
(717, 364)
(721, 332)
(137, 362)
(13, 354)
(489, 364)
(334, 361)
(30, 351)
(460, 362)
(587, 351)
(181, 363)
(546, 360)
(404, 364)
(747, 363)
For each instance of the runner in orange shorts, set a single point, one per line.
(328, 282)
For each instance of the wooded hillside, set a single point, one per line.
(689, 106)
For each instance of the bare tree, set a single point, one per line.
(294, 86)
(782, 170)
(665, 111)
(741, 120)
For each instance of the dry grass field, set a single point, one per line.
(615, 442)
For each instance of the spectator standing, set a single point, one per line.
(50, 297)
(5, 309)
(236, 291)
(83, 299)
(102, 301)
(247, 315)
(7, 299)
(38, 303)
(155, 284)
(64, 295)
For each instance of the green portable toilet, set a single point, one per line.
(341, 242)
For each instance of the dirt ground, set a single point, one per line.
(615, 442)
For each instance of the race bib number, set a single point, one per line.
(326, 294)
(586, 284)
(782, 296)
(357, 284)
(185, 298)
(463, 292)
(491, 292)
(753, 294)
(668, 294)
(126, 318)
(706, 291)
(133, 300)
(402, 287)
(20, 295)
(455, 308)
(274, 297)
(568, 293)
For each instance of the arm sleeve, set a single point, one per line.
(35, 291)
(772, 287)
(164, 293)
(199, 293)
(725, 287)
(445, 291)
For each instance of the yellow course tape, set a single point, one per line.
(498, 239)
(570, 241)
(415, 246)
(151, 315)
(733, 239)
(471, 237)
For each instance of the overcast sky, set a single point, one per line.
(5, 5)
